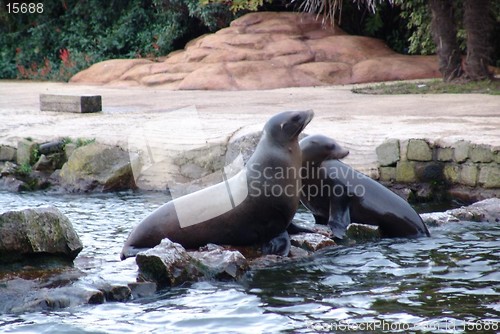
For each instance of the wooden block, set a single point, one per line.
(71, 103)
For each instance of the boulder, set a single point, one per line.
(217, 262)
(362, 232)
(167, 264)
(97, 167)
(267, 50)
(388, 152)
(40, 231)
(7, 153)
(487, 210)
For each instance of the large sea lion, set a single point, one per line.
(253, 207)
(338, 195)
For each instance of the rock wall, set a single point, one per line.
(267, 50)
(459, 164)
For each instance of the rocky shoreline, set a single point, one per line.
(84, 166)
(51, 282)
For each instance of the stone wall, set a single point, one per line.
(422, 161)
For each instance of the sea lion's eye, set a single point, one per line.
(332, 147)
(296, 118)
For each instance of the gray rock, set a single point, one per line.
(10, 183)
(362, 232)
(387, 173)
(7, 153)
(438, 218)
(59, 298)
(405, 171)
(487, 210)
(42, 231)
(311, 241)
(97, 167)
(388, 152)
(51, 147)
(118, 293)
(419, 150)
(461, 151)
(167, 264)
(489, 176)
(220, 263)
(481, 153)
(142, 289)
(444, 154)
(26, 151)
(469, 174)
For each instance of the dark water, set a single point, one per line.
(449, 283)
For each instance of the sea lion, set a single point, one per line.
(338, 195)
(252, 207)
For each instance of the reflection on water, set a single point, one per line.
(444, 284)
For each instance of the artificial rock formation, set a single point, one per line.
(267, 50)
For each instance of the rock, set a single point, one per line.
(7, 153)
(468, 174)
(59, 298)
(266, 50)
(167, 264)
(220, 263)
(419, 150)
(461, 151)
(487, 210)
(97, 167)
(26, 149)
(44, 164)
(362, 232)
(405, 172)
(142, 289)
(489, 176)
(451, 173)
(40, 231)
(438, 218)
(311, 241)
(118, 293)
(444, 154)
(9, 168)
(481, 153)
(388, 152)
(298, 252)
(387, 173)
(51, 147)
(10, 183)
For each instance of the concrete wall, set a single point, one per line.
(458, 163)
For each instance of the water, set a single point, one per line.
(448, 283)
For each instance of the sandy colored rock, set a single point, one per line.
(266, 50)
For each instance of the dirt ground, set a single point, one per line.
(359, 122)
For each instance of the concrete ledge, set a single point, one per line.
(71, 103)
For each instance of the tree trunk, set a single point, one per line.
(478, 24)
(444, 33)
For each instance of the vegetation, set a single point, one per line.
(433, 87)
(70, 35)
(78, 142)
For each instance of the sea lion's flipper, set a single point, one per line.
(339, 217)
(131, 251)
(296, 229)
(279, 245)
